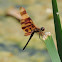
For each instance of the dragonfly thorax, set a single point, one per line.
(39, 29)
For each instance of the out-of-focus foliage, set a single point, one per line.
(12, 38)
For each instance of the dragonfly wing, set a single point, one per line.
(26, 22)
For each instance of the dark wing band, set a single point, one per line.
(26, 22)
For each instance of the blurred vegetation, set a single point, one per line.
(12, 38)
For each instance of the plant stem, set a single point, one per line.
(58, 29)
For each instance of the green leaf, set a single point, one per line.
(52, 49)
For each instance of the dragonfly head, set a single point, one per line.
(42, 28)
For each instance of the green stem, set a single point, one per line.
(58, 30)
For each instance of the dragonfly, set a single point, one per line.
(28, 26)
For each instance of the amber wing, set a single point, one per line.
(26, 22)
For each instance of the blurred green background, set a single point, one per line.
(12, 38)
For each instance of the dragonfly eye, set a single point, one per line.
(42, 28)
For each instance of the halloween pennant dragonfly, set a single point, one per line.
(28, 26)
